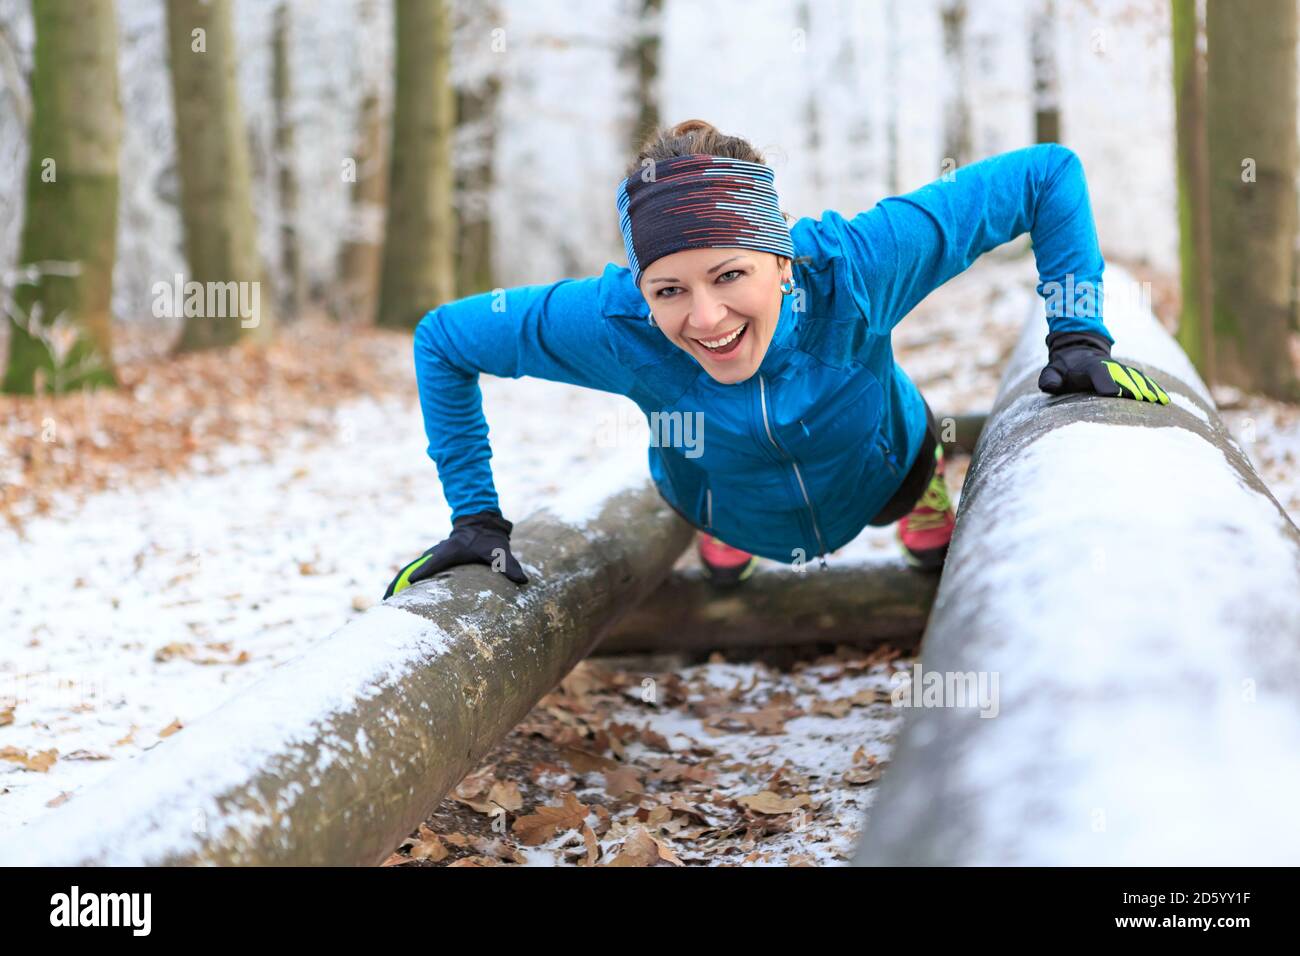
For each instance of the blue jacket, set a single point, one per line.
(796, 459)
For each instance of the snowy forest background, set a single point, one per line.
(849, 100)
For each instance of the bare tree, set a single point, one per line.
(291, 284)
(60, 318)
(1046, 70)
(213, 165)
(477, 94)
(1251, 131)
(1194, 333)
(418, 272)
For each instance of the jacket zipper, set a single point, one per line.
(762, 398)
(891, 462)
(708, 498)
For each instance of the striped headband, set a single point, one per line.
(700, 201)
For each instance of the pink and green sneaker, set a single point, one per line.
(925, 532)
(724, 564)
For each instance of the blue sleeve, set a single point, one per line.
(556, 332)
(908, 245)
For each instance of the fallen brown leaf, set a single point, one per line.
(623, 781)
(771, 803)
(538, 827)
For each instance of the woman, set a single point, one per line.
(774, 339)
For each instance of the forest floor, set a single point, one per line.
(167, 544)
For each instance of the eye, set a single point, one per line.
(730, 272)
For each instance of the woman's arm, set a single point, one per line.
(906, 246)
(555, 331)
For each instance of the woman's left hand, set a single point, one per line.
(1081, 362)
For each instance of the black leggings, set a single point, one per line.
(916, 479)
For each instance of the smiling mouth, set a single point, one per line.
(723, 344)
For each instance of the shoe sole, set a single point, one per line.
(729, 577)
(932, 560)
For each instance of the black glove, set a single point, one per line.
(1081, 362)
(482, 538)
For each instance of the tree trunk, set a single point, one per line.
(643, 56)
(854, 604)
(476, 131)
(476, 116)
(1160, 641)
(213, 162)
(378, 721)
(1046, 67)
(418, 272)
(361, 253)
(956, 120)
(61, 320)
(1194, 333)
(291, 279)
(1251, 100)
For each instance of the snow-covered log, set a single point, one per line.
(1125, 591)
(336, 755)
(861, 605)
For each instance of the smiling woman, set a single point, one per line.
(719, 306)
(775, 337)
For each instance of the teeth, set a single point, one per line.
(718, 343)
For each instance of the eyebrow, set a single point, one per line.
(710, 272)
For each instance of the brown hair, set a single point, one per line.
(695, 136)
(692, 136)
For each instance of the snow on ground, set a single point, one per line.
(133, 612)
(718, 764)
(143, 608)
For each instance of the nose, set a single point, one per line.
(709, 314)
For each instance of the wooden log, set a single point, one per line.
(336, 755)
(1129, 590)
(964, 432)
(863, 605)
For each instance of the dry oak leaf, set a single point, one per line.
(622, 781)
(862, 775)
(539, 827)
(505, 794)
(839, 707)
(584, 761)
(642, 849)
(593, 848)
(428, 846)
(497, 850)
(39, 762)
(83, 754)
(771, 803)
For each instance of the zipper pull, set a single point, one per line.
(822, 558)
(805, 428)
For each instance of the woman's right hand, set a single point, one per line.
(482, 538)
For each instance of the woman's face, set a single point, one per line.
(707, 295)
